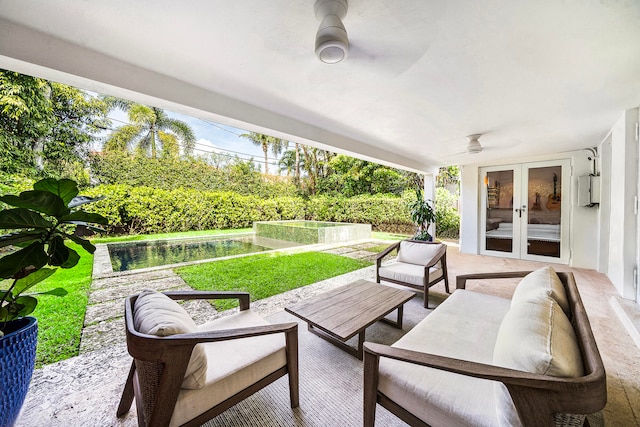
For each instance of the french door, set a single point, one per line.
(525, 211)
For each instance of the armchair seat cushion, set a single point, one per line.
(239, 363)
(408, 273)
(438, 397)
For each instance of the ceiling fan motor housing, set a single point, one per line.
(474, 146)
(332, 42)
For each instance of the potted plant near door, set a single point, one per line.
(423, 215)
(38, 224)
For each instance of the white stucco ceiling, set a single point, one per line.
(534, 77)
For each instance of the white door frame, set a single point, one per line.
(520, 223)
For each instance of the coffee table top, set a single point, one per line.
(345, 311)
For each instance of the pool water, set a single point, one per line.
(136, 255)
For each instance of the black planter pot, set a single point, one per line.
(17, 359)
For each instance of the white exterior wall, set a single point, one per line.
(620, 227)
(605, 205)
(583, 220)
(430, 194)
(603, 238)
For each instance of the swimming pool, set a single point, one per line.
(144, 254)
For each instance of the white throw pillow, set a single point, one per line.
(156, 314)
(542, 281)
(417, 253)
(534, 336)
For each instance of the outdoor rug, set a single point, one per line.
(331, 390)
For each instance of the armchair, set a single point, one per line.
(184, 375)
(419, 265)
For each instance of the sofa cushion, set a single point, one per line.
(408, 273)
(234, 365)
(542, 281)
(417, 253)
(465, 320)
(534, 336)
(156, 314)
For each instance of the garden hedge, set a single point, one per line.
(149, 210)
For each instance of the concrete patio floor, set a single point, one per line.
(85, 390)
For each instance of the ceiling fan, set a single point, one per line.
(332, 42)
(473, 146)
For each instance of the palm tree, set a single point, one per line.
(262, 141)
(150, 128)
(287, 162)
(278, 145)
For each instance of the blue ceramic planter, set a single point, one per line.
(17, 359)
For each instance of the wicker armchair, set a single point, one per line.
(243, 351)
(419, 265)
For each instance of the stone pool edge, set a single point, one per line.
(102, 267)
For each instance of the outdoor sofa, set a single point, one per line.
(482, 360)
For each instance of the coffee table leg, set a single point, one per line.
(398, 322)
(357, 352)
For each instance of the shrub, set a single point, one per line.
(151, 210)
(447, 215)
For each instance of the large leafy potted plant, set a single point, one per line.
(423, 214)
(38, 225)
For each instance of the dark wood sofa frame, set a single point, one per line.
(440, 255)
(536, 397)
(160, 363)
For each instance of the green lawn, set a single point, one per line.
(267, 274)
(60, 319)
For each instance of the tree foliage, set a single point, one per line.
(242, 177)
(350, 177)
(46, 128)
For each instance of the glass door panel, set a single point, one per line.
(499, 210)
(544, 218)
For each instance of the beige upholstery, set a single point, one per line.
(157, 314)
(183, 374)
(543, 281)
(460, 323)
(454, 367)
(419, 265)
(535, 336)
(409, 273)
(236, 365)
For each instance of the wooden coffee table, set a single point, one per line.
(341, 313)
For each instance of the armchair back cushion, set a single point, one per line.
(417, 253)
(534, 336)
(156, 314)
(542, 281)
